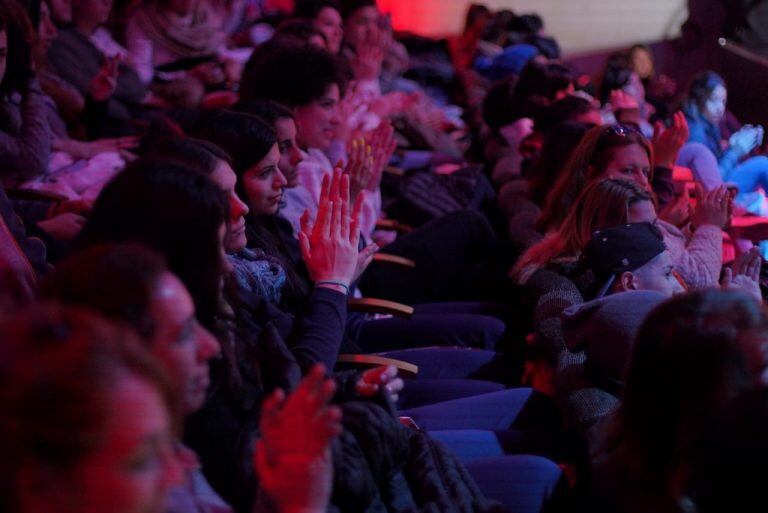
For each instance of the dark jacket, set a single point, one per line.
(77, 60)
(270, 351)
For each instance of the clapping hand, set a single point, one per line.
(293, 457)
(330, 246)
(668, 141)
(746, 139)
(382, 143)
(713, 208)
(103, 85)
(745, 274)
(381, 377)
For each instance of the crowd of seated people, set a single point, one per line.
(260, 258)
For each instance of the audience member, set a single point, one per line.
(692, 355)
(88, 418)
(705, 108)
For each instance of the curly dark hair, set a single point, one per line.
(290, 74)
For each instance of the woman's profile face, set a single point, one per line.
(225, 177)
(290, 153)
(264, 183)
(135, 464)
(713, 109)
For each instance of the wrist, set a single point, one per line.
(337, 285)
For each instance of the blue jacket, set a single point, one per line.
(708, 134)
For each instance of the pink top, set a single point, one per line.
(698, 257)
(306, 195)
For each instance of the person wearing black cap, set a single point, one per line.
(631, 256)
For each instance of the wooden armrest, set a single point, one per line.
(35, 195)
(394, 259)
(391, 224)
(380, 306)
(405, 369)
(393, 170)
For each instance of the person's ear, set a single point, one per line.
(627, 281)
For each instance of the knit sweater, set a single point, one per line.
(25, 137)
(698, 257)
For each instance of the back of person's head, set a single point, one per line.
(264, 109)
(588, 162)
(196, 154)
(292, 75)
(550, 80)
(603, 204)
(692, 355)
(309, 9)
(176, 211)
(700, 88)
(300, 31)
(559, 142)
(350, 7)
(476, 13)
(728, 471)
(527, 24)
(15, 23)
(617, 74)
(569, 108)
(71, 384)
(538, 86)
(498, 109)
(245, 137)
(116, 280)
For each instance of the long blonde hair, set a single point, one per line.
(588, 161)
(602, 204)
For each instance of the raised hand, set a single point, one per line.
(714, 207)
(368, 59)
(382, 143)
(103, 85)
(330, 246)
(293, 457)
(360, 166)
(745, 274)
(746, 139)
(678, 212)
(668, 141)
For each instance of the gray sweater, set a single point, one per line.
(25, 137)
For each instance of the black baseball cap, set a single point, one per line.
(613, 251)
